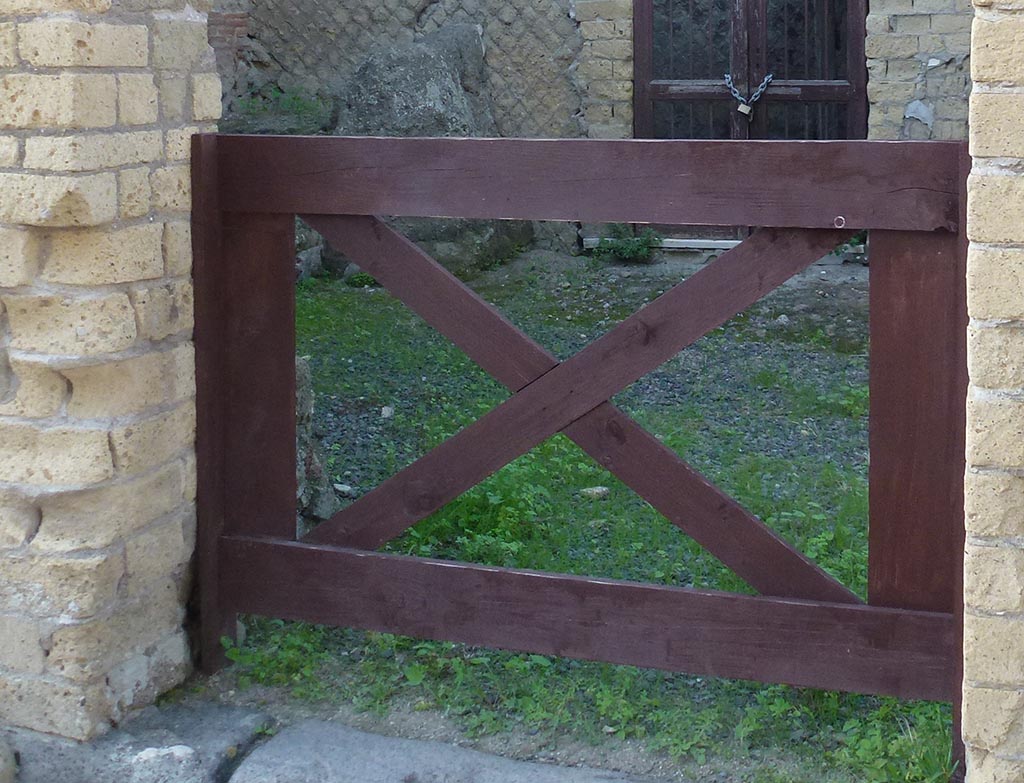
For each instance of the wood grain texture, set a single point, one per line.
(803, 184)
(960, 530)
(211, 499)
(639, 344)
(918, 364)
(258, 324)
(643, 68)
(685, 497)
(820, 645)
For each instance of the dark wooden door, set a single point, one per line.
(813, 48)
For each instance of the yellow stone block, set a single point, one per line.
(177, 248)
(71, 326)
(19, 519)
(995, 433)
(996, 49)
(92, 648)
(985, 767)
(994, 357)
(609, 50)
(179, 142)
(995, 124)
(993, 719)
(993, 503)
(206, 97)
(80, 711)
(136, 195)
(173, 91)
(891, 46)
(8, 44)
(172, 188)
(600, 30)
(40, 391)
(68, 100)
(54, 585)
(19, 257)
(995, 207)
(158, 552)
(995, 283)
(10, 153)
(164, 310)
(131, 386)
(50, 200)
(97, 518)
(21, 647)
(89, 152)
(153, 441)
(60, 42)
(994, 578)
(992, 648)
(24, 7)
(179, 44)
(104, 256)
(57, 455)
(589, 10)
(137, 99)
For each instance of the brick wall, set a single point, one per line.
(606, 67)
(98, 99)
(918, 58)
(994, 569)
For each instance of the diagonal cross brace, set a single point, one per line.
(681, 494)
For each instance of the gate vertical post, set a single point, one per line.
(245, 375)
(214, 620)
(258, 309)
(918, 370)
(918, 366)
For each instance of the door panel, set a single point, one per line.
(692, 39)
(807, 39)
(701, 119)
(814, 49)
(823, 121)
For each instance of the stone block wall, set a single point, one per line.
(605, 67)
(556, 68)
(918, 59)
(994, 567)
(98, 100)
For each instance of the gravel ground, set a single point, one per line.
(810, 335)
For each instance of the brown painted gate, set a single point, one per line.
(804, 628)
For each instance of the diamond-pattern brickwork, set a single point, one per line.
(531, 49)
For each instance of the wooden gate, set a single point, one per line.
(804, 628)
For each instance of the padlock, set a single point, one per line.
(745, 108)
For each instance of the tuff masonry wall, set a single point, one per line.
(994, 567)
(555, 68)
(918, 68)
(565, 67)
(605, 67)
(98, 100)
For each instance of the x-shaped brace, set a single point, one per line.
(572, 397)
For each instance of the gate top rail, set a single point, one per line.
(905, 186)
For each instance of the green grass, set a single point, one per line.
(370, 351)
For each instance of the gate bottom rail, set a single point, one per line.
(851, 647)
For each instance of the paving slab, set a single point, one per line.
(201, 743)
(322, 752)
